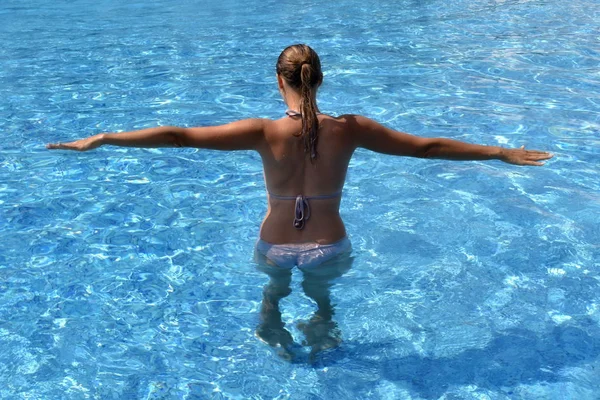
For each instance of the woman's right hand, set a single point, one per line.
(521, 156)
(86, 144)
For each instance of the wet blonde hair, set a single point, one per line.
(300, 66)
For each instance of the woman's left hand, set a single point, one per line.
(524, 157)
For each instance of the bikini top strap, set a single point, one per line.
(302, 208)
(278, 197)
(318, 197)
(293, 113)
(324, 196)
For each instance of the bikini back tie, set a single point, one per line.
(302, 207)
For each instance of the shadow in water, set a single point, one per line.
(517, 356)
(511, 358)
(321, 331)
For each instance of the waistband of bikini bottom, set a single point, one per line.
(342, 241)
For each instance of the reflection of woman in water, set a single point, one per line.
(305, 155)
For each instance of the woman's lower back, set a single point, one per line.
(324, 226)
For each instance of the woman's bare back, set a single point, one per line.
(289, 172)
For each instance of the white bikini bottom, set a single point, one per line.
(302, 255)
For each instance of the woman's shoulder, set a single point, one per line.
(346, 122)
(350, 118)
(350, 121)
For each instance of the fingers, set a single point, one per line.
(57, 146)
(61, 146)
(538, 155)
(536, 160)
(537, 152)
(546, 156)
(533, 157)
(544, 153)
(521, 156)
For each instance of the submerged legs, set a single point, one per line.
(321, 331)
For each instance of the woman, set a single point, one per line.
(305, 157)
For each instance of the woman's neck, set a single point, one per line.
(293, 100)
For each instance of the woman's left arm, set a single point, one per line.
(246, 134)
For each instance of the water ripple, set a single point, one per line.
(129, 273)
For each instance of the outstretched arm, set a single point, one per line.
(374, 136)
(246, 134)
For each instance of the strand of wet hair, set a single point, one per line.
(310, 122)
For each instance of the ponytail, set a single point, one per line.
(308, 111)
(300, 66)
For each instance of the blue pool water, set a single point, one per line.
(129, 274)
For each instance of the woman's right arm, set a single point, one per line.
(376, 137)
(245, 134)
